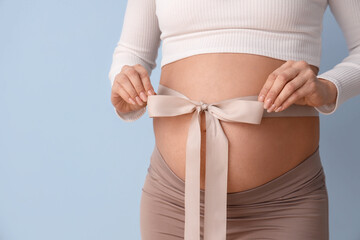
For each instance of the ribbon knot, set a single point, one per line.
(202, 106)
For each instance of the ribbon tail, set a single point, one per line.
(216, 178)
(192, 180)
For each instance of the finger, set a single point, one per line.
(288, 90)
(298, 94)
(127, 85)
(136, 82)
(271, 78)
(305, 79)
(126, 96)
(144, 75)
(283, 78)
(119, 89)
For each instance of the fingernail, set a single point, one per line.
(149, 92)
(271, 108)
(132, 101)
(261, 98)
(278, 109)
(139, 101)
(267, 103)
(143, 96)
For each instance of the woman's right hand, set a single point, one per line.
(131, 88)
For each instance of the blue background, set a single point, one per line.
(69, 167)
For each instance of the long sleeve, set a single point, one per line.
(139, 43)
(346, 74)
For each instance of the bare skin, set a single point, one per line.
(257, 153)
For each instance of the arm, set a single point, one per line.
(139, 43)
(345, 75)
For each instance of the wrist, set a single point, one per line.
(331, 91)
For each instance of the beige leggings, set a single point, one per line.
(292, 206)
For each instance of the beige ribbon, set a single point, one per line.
(243, 109)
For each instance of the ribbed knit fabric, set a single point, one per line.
(282, 29)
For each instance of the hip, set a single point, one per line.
(292, 206)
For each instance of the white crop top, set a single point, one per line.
(282, 29)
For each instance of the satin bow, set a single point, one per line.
(244, 109)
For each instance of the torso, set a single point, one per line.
(257, 153)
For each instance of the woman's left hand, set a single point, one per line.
(295, 82)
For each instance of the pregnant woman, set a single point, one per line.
(236, 113)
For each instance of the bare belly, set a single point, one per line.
(257, 153)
